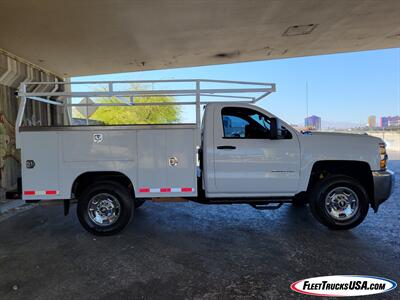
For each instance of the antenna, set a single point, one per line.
(306, 99)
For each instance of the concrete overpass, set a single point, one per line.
(80, 37)
(56, 39)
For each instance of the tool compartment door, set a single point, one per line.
(166, 163)
(39, 164)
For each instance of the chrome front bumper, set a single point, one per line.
(383, 187)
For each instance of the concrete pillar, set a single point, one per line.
(12, 72)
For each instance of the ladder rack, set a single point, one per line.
(62, 93)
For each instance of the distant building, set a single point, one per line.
(372, 121)
(390, 122)
(394, 121)
(384, 122)
(313, 123)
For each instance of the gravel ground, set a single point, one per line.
(192, 251)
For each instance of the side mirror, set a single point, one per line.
(274, 128)
(277, 131)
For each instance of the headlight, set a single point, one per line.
(383, 156)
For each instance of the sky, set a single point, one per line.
(342, 88)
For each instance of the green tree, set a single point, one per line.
(124, 115)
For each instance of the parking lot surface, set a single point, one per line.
(192, 251)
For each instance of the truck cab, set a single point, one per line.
(250, 153)
(242, 155)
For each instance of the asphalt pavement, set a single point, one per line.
(192, 251)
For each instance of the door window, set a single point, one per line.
(240, 122)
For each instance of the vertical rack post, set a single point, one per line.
(198, 121)
(87, 111)
(67, 120)
(198, 104)
(21, 111)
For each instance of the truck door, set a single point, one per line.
(247, 161)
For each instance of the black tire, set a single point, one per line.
(119, 195)
(326, 186)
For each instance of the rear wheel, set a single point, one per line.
(105, 208)
(339, 202)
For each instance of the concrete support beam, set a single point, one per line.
(12, 72)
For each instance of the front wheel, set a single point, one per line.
(105, 208)
(339, 202)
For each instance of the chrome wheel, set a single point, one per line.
(341, 203)
(104, 209)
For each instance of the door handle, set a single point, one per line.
(226, 147)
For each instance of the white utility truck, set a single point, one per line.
(239, 153)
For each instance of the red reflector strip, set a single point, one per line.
(40, 193)
(51, 192)
(166, 190)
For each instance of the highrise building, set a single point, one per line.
(384, 122)
(313, 122)
(390, 121)
(372, 121)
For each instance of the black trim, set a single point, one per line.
(383, 187)
(245, 138)
(267, 206)
(67, 204)
(244, 200)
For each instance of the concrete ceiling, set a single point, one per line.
(81, 37)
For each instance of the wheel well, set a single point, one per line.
(358, 170)
(85, 179)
